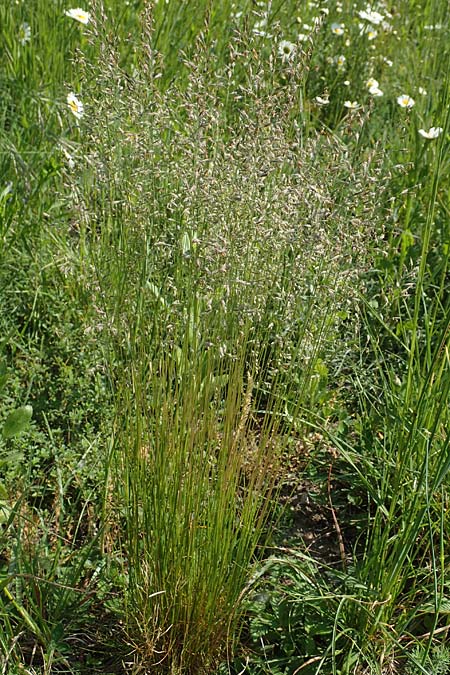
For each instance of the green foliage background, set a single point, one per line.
(211, 269)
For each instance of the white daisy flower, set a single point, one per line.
(340, 62)
(24, 34)
(372, 82)
(322, 101)
(422, 91)
(79, 15)
(287, 50)
(337, 28)
(434, 132)
(371, 34)
(375, 91)
(352, 105)
(388, 62)
(75, 105)
(302, 37)
(371, 16)
(405, 101)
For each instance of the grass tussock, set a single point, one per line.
(204, 214)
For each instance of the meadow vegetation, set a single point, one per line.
(224, 337)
